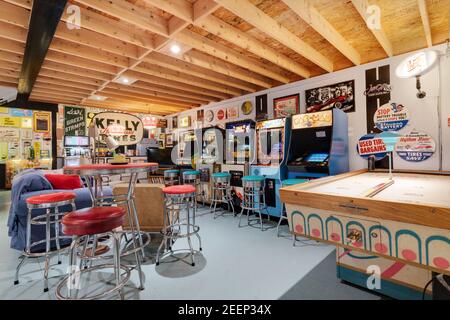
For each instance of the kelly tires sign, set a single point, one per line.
(125, 128)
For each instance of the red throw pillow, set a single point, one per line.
(64, 181)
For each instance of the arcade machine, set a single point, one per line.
(77, 150)
(210, 158)
(186, 149)
(272, 145)
(239, 154)
(319, 145)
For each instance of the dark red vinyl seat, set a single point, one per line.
(91, 221)
(179, 190)
(51, 198)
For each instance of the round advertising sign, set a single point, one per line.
(209, 116)
(372, 145)
(247, 107)
(220, 114)
(391, 117)
(415, 147)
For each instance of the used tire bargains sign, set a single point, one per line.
(127, 129)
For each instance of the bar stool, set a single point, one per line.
(254, 198)
(80, 225)
(288, 183)
(171, 177)
(193, 178)
(47, 202)
(221, 192)
(178, 198)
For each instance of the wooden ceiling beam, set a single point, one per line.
(179, 65)
(154, 97)
(220, 51)
(263, 22)
(379, 33)
(74, 70)
(43, 98)
(305, 10)
(233, 35)
(153, 93)
(60, 87)
(10, 56)
(158, 71)
(12, 46)
(176, 92)
(51, 80)
(45, 16)
(172, 84)
(82, 51)
(130, 13)
(68, 59)
(122, 105)
(120, 95)
(425, 21)
(10, 79)
(218, 65)
(42, 91)
(185, 10)
(8, 84)
(66, 76)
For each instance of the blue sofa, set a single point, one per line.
(31, 183)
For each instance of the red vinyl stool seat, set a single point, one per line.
(51, 198)
(179, 190)
(91, 221)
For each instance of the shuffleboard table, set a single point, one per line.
(399, 224)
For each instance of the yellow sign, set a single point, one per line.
(313, 120)
(41, 122)
(37, 149)
(10, 122)
(185, 122)
(4, 110)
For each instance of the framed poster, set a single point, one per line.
(200, 115)
(185, 122)
(339, 95)
(174, 122)
(232, 112)
(169, 140)
(41, 122)
(286, 106)
(74, 121)
(378, 93)
(261, 107)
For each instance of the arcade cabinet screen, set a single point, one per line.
(76, 141)
(317, 157)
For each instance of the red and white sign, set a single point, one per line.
(150, 122)
(221, 114)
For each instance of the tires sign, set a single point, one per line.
(372, 146)
(391, 117)
(416, 147)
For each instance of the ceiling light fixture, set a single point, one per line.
(175, 49)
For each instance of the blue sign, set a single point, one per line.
(20, 113)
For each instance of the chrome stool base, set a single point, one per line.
(221, 194)
(172, 231)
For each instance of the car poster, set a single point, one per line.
(415, 147)
(391, 117)
(339, 95)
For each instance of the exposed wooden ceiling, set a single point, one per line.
(228, 47)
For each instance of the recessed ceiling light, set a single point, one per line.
(175, 49)
(125, 80)
(97, 97)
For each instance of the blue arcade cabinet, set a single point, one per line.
(319, 145)
(272, 146)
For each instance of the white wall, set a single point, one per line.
(423, 113)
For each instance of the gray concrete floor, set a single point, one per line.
(236, 263)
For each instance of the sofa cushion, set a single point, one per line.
(64, 181)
